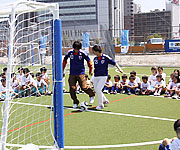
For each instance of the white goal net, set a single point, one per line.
(26, 87)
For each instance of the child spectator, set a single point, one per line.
(137, 79)
(172, 87)
(132, 86)
(3, 90)
(40, 83)
(145, 86)
(26, 82)
(20, 74)
(124, 83)
(108, 85)
(171, 77)
(160, 70)
(15, 83)
(159, 86)
(173, 144)
(5, 70)
(176, 71)
(153, 79)
(116, 85)
(177, 92)
(45, 76)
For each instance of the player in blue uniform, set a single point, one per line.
(77, 72)
(101, 62)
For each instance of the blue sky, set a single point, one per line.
(146, 5)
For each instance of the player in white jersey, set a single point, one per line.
(145, 86)
(137, 79)
(172, 144)
(15, 83)
(26, 82)
(160, 70)
(3, 90)
(39, 85)
(132, 86)
(20, 74)
(172, 87)
(159, 86)
(123, 84)
(152, 79)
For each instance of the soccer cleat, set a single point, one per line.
(99, 107)
(91, 100)
(155, 94)
(75, 106)
(175, 96)
(106, 102)
(129, 93)
(105, 91)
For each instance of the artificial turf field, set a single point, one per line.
(112, 125)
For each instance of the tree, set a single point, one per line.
(155, 35)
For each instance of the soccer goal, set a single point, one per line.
(31, 49)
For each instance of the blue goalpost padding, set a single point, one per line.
(57, 69)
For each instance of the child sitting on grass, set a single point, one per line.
(108, 85)
(132, 86)
(116, 85)
(153, 79)
(172, 87)
(145, 86)
(124, 83)
(137, 79)
(159, 86)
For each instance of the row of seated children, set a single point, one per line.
(156, 84)
(23, 84)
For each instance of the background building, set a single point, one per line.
(164, 23)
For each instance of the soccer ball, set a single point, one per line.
(83, 106)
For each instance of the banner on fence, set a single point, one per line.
(85, 42)
(124, 41)
(172, 45)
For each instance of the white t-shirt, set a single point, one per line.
(14, 84)
(26, 80)
(137, 80)
(145, 86)
(132, 84)
(159, 83)
(175, 145)
(45, 76)
(164, 77)
(152, 80)
(108, 83)
(2, 88)
(117, 83)
(39, 83)
(172, 85)
(123, 83)
(19, 77)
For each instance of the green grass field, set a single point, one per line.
(111, 126)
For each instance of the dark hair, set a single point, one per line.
(4, 69)
(132, 77)
(160, 68)
(154, 68)
(133, 72)
(177, 78)
(145, 77)
(124, 76)
(12, 75)
(26, 70)
(3, 74)
(176, 124)
(177, 71)
(43, 69)
(3, 80)
(32, 74)
(109, 77)
(86, 76)
(117, 77)
(159, 76)
(20, 68)
(97, 48)
(77, 45)
(38, 74)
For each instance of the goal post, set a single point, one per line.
(27, 117)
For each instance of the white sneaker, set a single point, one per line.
(99, 107)
(155, 94)
(91, 100)
(106, 102)
(75, 106)
(106, 91)
(175, 96)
